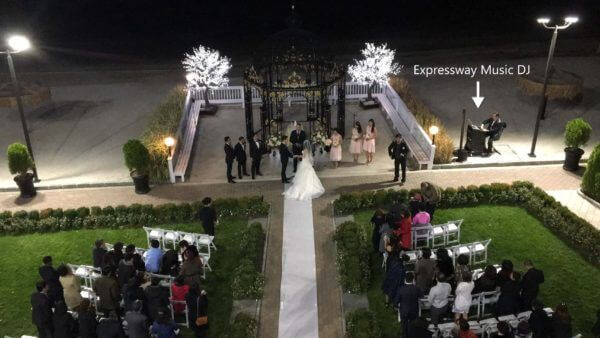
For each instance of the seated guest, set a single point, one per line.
(138, 262)
(487, 281)
(462, 267)
(394, 274)
(561, 322)
(462, 301)
(415, 204)
(505, 272)
(170, 263)
(178, 291)
(465, 329)
(539, 322)
(197, 303)
(107, 289)
(509, 300)
(86, 317)
(421, 218)
(98, 253)
(445, 265)
(110, 326)
(504, 330)
(377, 220)
(208, 216)
(532, 278)
(404, 230)
(138, 324)
(157, 297)
(126, 270)
(523, 330)
(407, 299)
(71, 287)
(41, 310)
(418, 329)
(64, 324)
(164, 326)
(183, 245)
(114, 256)
(51, 277)
(132, 292)
(154, 257)
(425, 270)
(193, 267)
(438, 298)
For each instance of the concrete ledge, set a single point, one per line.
(351, 302)
(72, 186)
(341, 219)
(497, 164)
(589, 199)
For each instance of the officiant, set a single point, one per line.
(297, 137)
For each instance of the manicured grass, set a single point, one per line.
(20, 257)
(516, 236)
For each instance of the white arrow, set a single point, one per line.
(478, 99)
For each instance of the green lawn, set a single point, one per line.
(20, 257)
(515, 235)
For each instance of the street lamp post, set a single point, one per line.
(433, 130)
(543, 100)
(18, 44)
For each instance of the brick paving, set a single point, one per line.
(551, 177)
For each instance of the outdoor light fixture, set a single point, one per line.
(433, 130)
(169, 142)
(543, 100)
(18, 43)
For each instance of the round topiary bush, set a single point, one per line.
(577, 133)
(137, 157)
(19, 161)
(590, 183)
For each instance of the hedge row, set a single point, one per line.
(243, 326)
(134, 215)
(352, 257)
(559, 219)
(248, 281)
(362, 323)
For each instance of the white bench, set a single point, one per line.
(185, 141)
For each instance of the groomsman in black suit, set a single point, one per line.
(285, 154)
(229, 156)
(240, 156)
(257, 149)
(297, 137)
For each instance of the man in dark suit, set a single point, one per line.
(41, 310)
(285, 155)
(297, 137)
(493, 126)
(407, 299)
(208, 216)
(530, 284)
(50, 277)
(257, 149)
(107, 289)
(240, 157)
(398, 151)
(229, 156)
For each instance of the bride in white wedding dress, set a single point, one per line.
(306, 185)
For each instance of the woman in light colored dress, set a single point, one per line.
(71, 287)
(369, 143)
(356, 141)
(462, 300)
(335, 154)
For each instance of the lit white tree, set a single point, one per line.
(206, 68)
(375, 67)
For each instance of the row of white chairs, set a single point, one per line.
(485, 327)
(165, 236)
(476, 251)
(432, 236)
(479, 301)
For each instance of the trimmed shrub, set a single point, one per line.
(252, 244)
(243, 326)
(362, 323)
(352, 257)
(577, 133)
(247, 283)
(19, 161)
(137, 157)
(590, 183)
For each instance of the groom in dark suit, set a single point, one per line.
(257, 149)
(285, 155)
(229, 156)
(297, 137)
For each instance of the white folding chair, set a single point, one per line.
(446, 329)
(170, 236)
(476, 327)
(523, 315)
(204, 239)
(424, 304)
(489, 326)
(461, 250)
(188, 237)
(549, 311)
(109, 246)
(185, 312)
(476, 303)
(479, 252)
(152, 233)
(488, 299)
(437, 233)
(510, 319)
(453, 231)
(477, 273)
(420, 233)
(204, 251)
(434, 331)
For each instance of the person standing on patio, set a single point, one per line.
(369, 141)
(208, 216)
(398, 151)
(285, 155)
(335, 154)
(229, 157)
(297, 138)
(240, 156)
(257, 149)
(356, 141)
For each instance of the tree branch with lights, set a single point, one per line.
(375, 67)
(206, 68)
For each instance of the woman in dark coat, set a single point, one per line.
(65, 325)
(394, 274)
(561, 322)
(445, 265)
(87, 319)
(377, 220)
(487, 281)
(509, 301)
(197, 303)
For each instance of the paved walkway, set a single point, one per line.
(578, 204)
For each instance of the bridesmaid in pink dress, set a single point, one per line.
(335, 154)
(369, 143)
(356, 141)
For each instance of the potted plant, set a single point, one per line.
(577, 133)
(137, 160)
(19, 163)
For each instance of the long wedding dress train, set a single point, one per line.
(306, 185)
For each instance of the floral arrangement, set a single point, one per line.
(274, 140)
(319, 136)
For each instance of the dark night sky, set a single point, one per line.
(162, 30)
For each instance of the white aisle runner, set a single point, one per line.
(298, 315)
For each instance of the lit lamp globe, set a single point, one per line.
(18, 43)
(169, 142)
(433, 130)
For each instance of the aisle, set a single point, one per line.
(298, 314)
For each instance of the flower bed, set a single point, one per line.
(243, 326)
(134, 215)
(352, 248)
(362, 324)
(248, 281)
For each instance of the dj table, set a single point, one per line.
(475, 140)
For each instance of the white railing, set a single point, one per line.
(172, 159)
